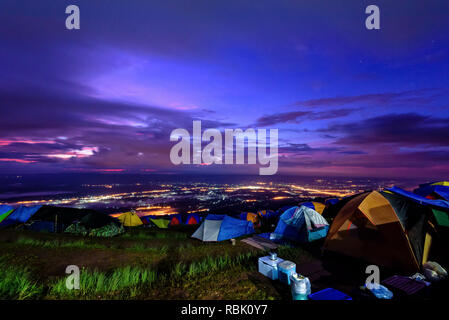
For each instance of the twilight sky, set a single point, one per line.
(347, 101)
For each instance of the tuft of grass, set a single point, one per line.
(154, 235)
(17, 283)
(121, 283)
(81, 244)
(211, 264)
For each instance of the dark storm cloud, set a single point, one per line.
(421, 96)
(410, 129)
(299, 116)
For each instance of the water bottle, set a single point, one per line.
(300, 287)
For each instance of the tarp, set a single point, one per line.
(222, 227)
(420, 199)
(301, 224)
(5, 211)
(439, 189)
(20, 215)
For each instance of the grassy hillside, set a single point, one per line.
(143, 263)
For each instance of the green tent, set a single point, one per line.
(442, 218)
(161, 223)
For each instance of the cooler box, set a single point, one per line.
(269, 267)
(329, 294)
(286, 269)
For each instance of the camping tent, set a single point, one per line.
(175, 220)
(249, 216)
(331, 201)
(160, 223)
(301, 224)
(435, 190)
(383, 228)
(193, 218)
(62, 216)
(222, 227)
(130, 219)
(146, 220)
(42, 226)
(20, 215)
(5, 211)
(331, 211)
(317, 206)
(283, 209)
(266, 214)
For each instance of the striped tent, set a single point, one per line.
(300, 224)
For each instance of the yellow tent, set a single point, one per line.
(441, 183)
(130, 219)
(161, 223)
(371, 227)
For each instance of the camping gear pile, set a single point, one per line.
(277, 268)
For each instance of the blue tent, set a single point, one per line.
(283, 209)
(427, 189)
(222, 227)
(301, 224)
(267, 214)
(5, 208)
(420, 199)
(20, 215)
(5, 211)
